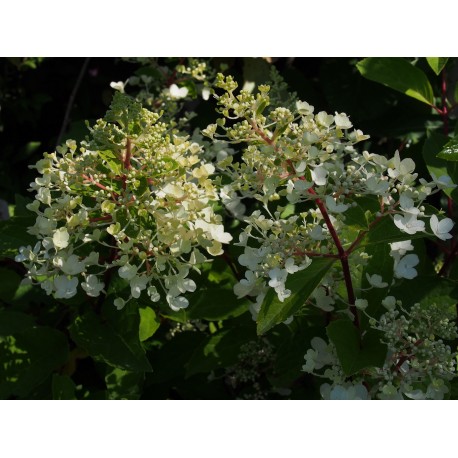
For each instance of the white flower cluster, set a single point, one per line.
(134, 200)
(307, 162)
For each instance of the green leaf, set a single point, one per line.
(215, 303)
(13, 234)
(359, 215)
(14, 322)
(9, 284)
(427, 289)
(63, 387)
(149, 323)
(170, 360)
(437, 63)
(438, 167)
(290, 355)
(256, 70)
(301, 284)
(112, 339)
(380, 263)
(354, 353)
(386, 232)
(123, 384)
(219, 350)
(112, 161)
(449, 151)
(28, 358)
(398, 74)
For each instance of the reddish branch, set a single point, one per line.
(343, 256)
(405, 358)
(99, 185)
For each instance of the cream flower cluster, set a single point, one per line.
(302, 162)
(134, 199)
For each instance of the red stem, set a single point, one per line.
(449, 259)
(444, 114)
(128, 154)
(101, 186)
(444, 103)
(268, 140)
(343, 256)
(100, 218)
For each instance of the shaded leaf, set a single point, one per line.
(380, 263)
(449, 151)
(354, 353)
(63, 387)
(13, 234)
(301, 284)
(386, 232)
(359, 216)
(215, 303)
(14, 322)
(399, 74)
(219, 350)
(28, 358)
(438, 167)
(9, 283)
(114, 341)
(170, 360)
(427, 289)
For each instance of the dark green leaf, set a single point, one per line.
(380, 263)
(353, 352)
(9, 284)
(437, 166)
(398, 74)
(170, 360)
(28, 358)
(386, 232)
(301, 284)
(450, 150)
(437, 63)
(256, 70)
(215, 303)
(219, 350)
(20, 208)
(14, 322)
(112, 339)
(63, 387)
(13, 234)
(427, 289)
(359, 215)
(290, 356)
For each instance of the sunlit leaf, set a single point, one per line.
(399, 74)
(301, 284)
(437, 63)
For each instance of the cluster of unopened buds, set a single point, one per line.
(418, 365)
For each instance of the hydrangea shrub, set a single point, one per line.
(311, 226)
